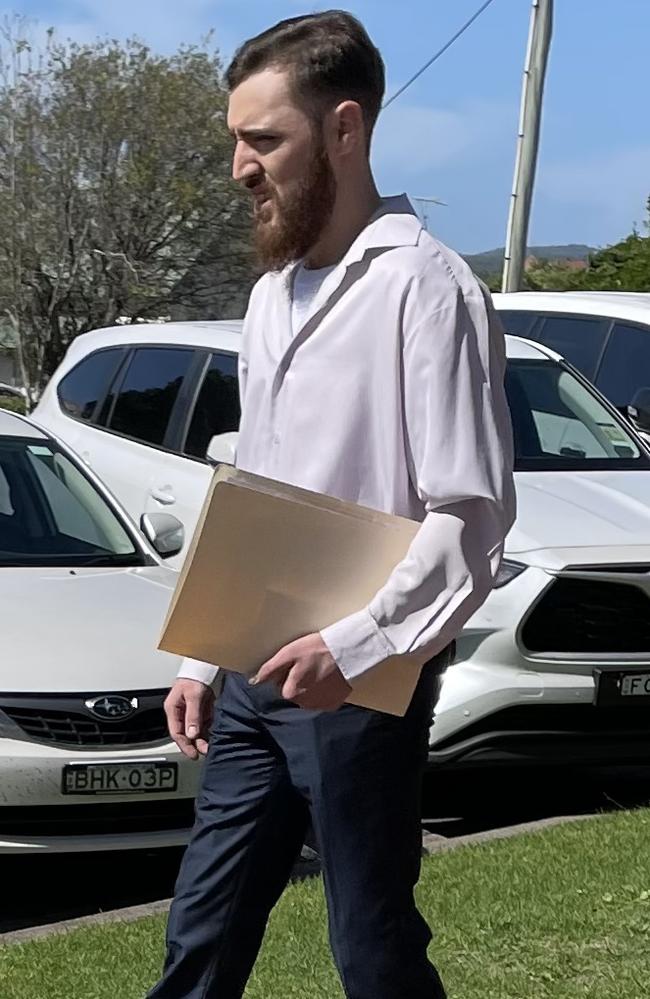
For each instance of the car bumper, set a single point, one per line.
(499, 708)
(88, 844)
(36, 817)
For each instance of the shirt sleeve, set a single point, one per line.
(459, 446)
(193, 669)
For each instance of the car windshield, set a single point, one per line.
(51, 514)
(560, 424)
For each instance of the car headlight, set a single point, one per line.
(508, 570)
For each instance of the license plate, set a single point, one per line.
(621, 687)
(119, 778)
(637, 685)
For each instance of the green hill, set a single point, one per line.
(491, 261)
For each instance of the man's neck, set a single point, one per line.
(351, 214)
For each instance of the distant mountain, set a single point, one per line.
(491, 261)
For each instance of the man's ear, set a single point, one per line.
(349, 128)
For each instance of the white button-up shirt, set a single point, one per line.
(390, 395)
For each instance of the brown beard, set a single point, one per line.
(299, 219)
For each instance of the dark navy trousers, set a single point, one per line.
(271, 770)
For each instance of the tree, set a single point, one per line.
(554, 275)
(624, 266)
(114, 181)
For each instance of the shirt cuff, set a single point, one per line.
(357, 644)
(193, 669)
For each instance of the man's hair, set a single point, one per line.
(330, 59)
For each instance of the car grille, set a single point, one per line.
(66, 721)
(589, 616)
(92, 819)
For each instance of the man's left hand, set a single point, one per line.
(306, 673)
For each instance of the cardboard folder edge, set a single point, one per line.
(207, 503)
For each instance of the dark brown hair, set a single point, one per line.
(330, 58)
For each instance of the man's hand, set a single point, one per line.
(189, 706)
(306, 673)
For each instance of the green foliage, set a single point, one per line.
(622, 267)
(554, 276)
(12, 403)
(625, 266)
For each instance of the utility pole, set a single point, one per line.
(539, 43)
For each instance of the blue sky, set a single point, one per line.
(452, 134)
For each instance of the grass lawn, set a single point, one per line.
(563, 914)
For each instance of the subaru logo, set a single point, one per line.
(111, 707)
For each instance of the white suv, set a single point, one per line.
(557, 662)
(141, 404)
(605, 334)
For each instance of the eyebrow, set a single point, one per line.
(253, 133)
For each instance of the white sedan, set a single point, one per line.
(85, 759)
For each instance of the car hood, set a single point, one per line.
(569, 510)
(84, 630)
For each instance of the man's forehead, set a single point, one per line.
(262, 99)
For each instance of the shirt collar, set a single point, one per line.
(395, 223)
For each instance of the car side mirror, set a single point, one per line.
(639, 410)
(221, 449)
(164, 532)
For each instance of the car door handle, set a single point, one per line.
(162, 496)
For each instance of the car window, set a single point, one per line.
(147, 395)
(559, 423)
(217, 407)
(626, 364)
(517, 323)
(579, 339)
(54, 514)
(6, 506)
(81, 389)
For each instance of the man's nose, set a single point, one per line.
(244, 165)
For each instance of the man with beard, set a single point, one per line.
(372, 370)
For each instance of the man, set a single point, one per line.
(372, 370)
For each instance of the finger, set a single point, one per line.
(202, 746)
(186, 747)
(175, 711)
(275, 669)
(193, 706)
(293, 688)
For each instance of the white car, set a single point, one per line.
(140, 405)
(605, 334)
(86, 762)
(556, 665)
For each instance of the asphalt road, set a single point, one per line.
(39, 890)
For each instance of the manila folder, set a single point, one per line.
(270, 563)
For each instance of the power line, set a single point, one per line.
(440, 52)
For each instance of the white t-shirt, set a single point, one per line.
(306, 285)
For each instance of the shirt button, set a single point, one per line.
(276, 438)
